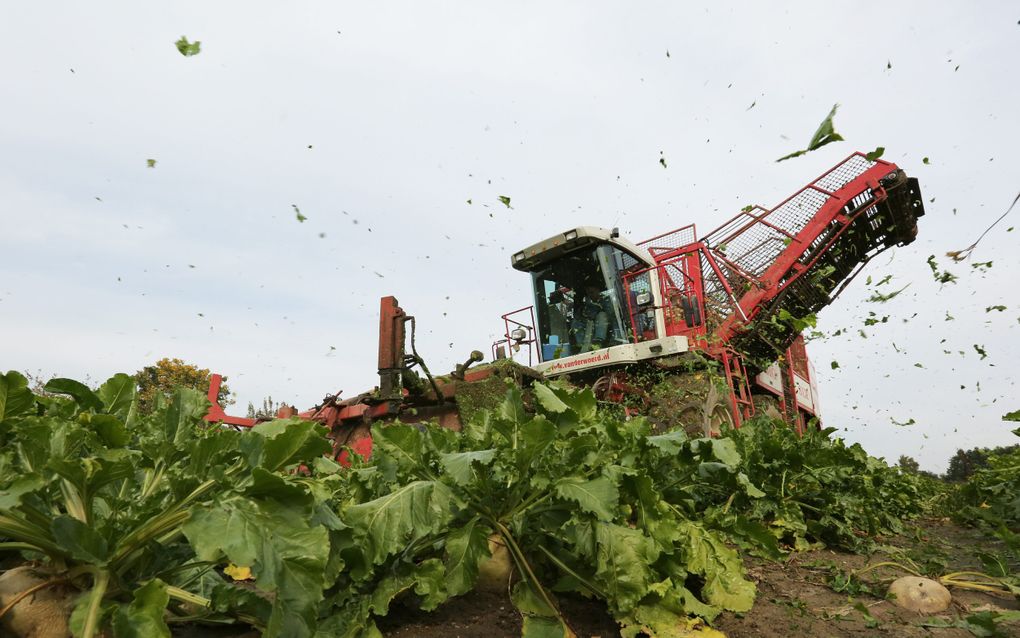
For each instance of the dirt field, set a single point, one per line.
(794, 598)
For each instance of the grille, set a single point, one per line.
(669, 242)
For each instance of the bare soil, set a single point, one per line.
(794, 597)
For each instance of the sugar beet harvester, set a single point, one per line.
(699, 333)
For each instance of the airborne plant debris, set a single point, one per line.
(826, 134)
(877, 297)
(188, 49)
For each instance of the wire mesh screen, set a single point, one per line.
(718, 303)
(754, 239)
(668, 242)
(844, 173)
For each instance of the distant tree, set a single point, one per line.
(267, 411)
(965, 462)
(166, 374)
(908, 464)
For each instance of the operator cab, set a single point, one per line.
(592, 290)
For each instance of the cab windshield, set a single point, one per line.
(579, 302)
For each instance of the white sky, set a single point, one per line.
(413, 108)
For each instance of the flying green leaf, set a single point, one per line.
(943, 277)
(925, 161)
(826, 134)
(151, 163)
(875, 154)
(297, 213)
(878, 297)
(188, 49)
(503, 199)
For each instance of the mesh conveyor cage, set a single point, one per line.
(668, 242)
(754, 238)
(791, 258)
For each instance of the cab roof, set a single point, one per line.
(574, 239)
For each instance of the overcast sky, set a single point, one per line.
(380, 121)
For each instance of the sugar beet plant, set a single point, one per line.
(585, 502)
(133, 511)
(575, 496)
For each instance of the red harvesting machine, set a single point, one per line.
(606, 310)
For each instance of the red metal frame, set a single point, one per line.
(216, 413)
(531, 341)
(741, 405)
(776, 247)
(786, 266)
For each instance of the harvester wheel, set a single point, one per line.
(720, 421)
(615, 387)
(695, 402)
(711, 418)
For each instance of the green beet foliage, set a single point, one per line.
(136, 510)
(142, 512)
(589, 503)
